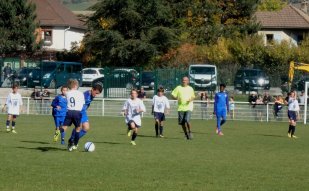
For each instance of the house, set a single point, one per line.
(289, 24)
(59, 27)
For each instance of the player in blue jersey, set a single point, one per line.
(221, 107)
(59, 105)
(89, 96)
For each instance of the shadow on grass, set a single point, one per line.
(40, 142)
(110, 143)
(44, 149)
(148, 136)
(265, 135)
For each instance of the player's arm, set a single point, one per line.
(20, 104)
(215, 103)
(125, 108)
(141, 108)
(167, 106)
(55, 103)
(227, 103)
(7, 102)
(175, 93)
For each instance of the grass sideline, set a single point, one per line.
(250, 156)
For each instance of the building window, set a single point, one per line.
(269, 39)
(48, 37)
(300, 38)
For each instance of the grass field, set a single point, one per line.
(250, 156)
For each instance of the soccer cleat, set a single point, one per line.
(289, 135)
(220, 133)
(70, 146)
(129, 133)
(161, 136)
(295, 137)
(56, 136)
(190, 136)
(74, 147)
(8, 130)
(13, 131)
(217, 130)
(133, 143)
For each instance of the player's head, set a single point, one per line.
(222, 87)
(64, 90)
(133, 94)
(292, 94)
(96, 90)
(15, 88)
(73, 84)
(185, 81)
(160, 91)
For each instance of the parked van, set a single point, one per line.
(203, 76)
(56, 74)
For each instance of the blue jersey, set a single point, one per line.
(88, 100)
(62, 102)
(221, 102)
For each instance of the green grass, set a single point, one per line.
(250, 156)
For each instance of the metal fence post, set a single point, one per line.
(103, 107)
(267, 112)
(28, 105)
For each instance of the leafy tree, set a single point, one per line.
(271, 5)
(17, 26)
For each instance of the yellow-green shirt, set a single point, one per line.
(183, 95)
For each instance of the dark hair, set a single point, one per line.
(97, 87)
(133, 90)
(222, 85)
(64, 86)
(161, 89)
(15, 86)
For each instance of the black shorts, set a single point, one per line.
(159, 116)
(292, 115)
(74, 117)
(184, 117)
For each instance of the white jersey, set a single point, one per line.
(293, 105)
(131, 106)
(160, 104)
(76, 100)
(13, 103)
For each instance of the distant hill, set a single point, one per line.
(79, 5)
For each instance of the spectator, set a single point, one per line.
(141, 94)
(301, 101)
(204, 104)
(259, 108)
(266, 99)
(252, 102)
(278, 106)
(232, 107)
(7, 71)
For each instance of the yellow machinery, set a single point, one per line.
(296, 66)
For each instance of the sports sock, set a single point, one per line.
(293, 129)
(156, 128)
(76, 138)
(134, 135)
(161, 130)
(13, 124)
(185, 131)
(72, 136)
(290, 128)
(82, 133)
(62, 132)
(222, 122)
(7, 124)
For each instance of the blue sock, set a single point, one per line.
(7, 123)
(76, 138)
(222, 122)
(62, 134)
(72, 136)
(82, 133)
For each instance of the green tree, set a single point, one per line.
(271, 5)
(17, 26)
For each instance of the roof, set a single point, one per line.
(288, 18)
(53, 13)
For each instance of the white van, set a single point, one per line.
(203, 76)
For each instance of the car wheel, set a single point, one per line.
(129, 86)
(52, 84)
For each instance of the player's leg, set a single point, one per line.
(13, 117)
(188, 124)
(157, 123)
(181, 121)
(85, 125)
(218, 130)
(162, 118)
(223, 118)
(134, 134)
(8, 121)
(62, 129)
(290, 124)
(57, 131)
(293, 123)
(77, 123)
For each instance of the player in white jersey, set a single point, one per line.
(76, 102)
(133, 108)
(160, 105)
(293, 113)
(13, 105)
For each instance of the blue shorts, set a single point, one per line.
(59, 120)
(292, 115)
(74, 117)
(221, 114)
(159, 116)
(84, 117)
(138, 126)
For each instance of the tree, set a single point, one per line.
(271, 5)
(17, 26)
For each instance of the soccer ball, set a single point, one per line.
(89, 147)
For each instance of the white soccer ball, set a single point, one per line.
(89, 147)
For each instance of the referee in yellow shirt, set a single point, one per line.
(185, 96)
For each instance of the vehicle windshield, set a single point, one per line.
(101, 71)
(89, 72)
(48, 66)
(147, 75)
(202, 70)
(251, 73)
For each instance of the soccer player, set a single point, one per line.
(13, 105)
(59, 105)
(89, 96)
(185, 96)
(160, 104)
(133, 108)
(75, 105)
(221, 107)
(293, 114)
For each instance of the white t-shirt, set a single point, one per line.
(160, 104)
(13, 103)
(293, 105)
(76, 100)
(131, 106)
